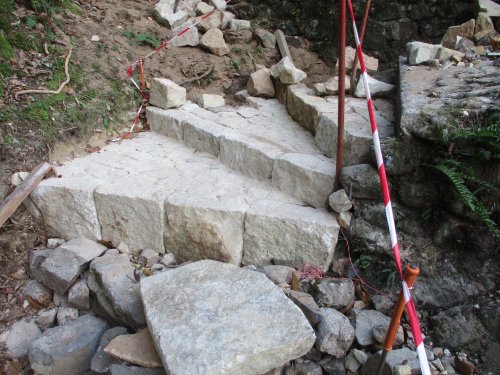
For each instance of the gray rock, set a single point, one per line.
(446, 54)
(266, 38)
(61, 300)
(189, 38)
(203, 8)
(168, 260)
(134, 370)
(37, 257)
(166, 94)
(79, 296)
(333, 366)
(378, 89)
(366, 321)
(22, 334)
(384, 304)
(235, 24)
(371, 237)
(47, 318)
(260, 84)
(83, 248)
(101, 362)
(117, 289)
(380, 331)
(355, 359)
(226, 18)
(211, 101)
(149, 257)
(67, 349)
(287, 73)
(214, 313)
(37, 294)
(421, 53)
(335, 293)
(164, 14)
(308, 368)
(219, 4)
(279, 274)
(306, 303)
(52, 243)
(339, 201)
(66, 314)
(344, 219)
(363, 179)
(212, 22)
(394, 359)
(213, 42)
(335, 333)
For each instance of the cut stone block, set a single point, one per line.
(208, 228)
(211, 101)
(307, 177)
(285, 232)
(203, 135)
(216, 315)
(301, 105)
(166, 93)
(166, 122)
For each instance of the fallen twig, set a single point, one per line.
(54, 92)
(197, 78)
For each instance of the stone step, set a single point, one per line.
(319, 116)
(259, 141)
(155, 192)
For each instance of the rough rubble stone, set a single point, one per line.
(203, 8)
(219, 4)
(212, 22)
(164, 14)
(483, 22)
(52, 243)
(355, 359)
(67, 349)
(307, 177)
(350, 53)
(208, 228)
(344, 219)
(112, 282)
(213, 42)
(446, 54)
(189, 38)
(335, 333)
(47, 318)
(373, 238)
(421, 53)
(214, 313)
(266, 38)
(332, 85)
(308, 368)
(287, 73)
(37, 257)
(101, 362)
(79, 296)
(384, 304)
(335, 293)
(37, 294)
(465, 30)
(366, 320)
(137, 349)
(235, 25)
(394, 359)
(22, 334)
(166, 93)
(211, 101)
(274, 231)
(168, 260)
(66, 314)
(319, 89)
(363, 180)
(260, 84)
(226, 18)
(339, 201)
(134, 370)
(61, 300)
(149, 257)
(279, 274)
(378, 89)
(61, 269)
(380, 331)
(306, 303)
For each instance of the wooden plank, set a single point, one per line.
(14, 200)
(282, 44)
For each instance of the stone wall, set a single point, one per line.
(391, 25)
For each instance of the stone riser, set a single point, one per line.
(294, 166)
(153, 192)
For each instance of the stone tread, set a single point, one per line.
(125, 192)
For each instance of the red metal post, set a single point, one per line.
(356, 57)
(341, 106)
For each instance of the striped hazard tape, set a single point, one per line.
(410, 306)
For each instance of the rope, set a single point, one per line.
(410, 306)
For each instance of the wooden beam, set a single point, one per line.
(17, 197)
(282, 45)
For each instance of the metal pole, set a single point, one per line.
(356, 57)
(411, 273)
(341, 105)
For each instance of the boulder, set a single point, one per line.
(213, 42)
(260, 84)
(362, 180)
(339, 201)
(214, 21)
(111, 281)
(335, 333)
(166, 94)
(37, 294)
(21, 335)
(421, 53)
(211, 101)
(465, 30)
(101, 362)
(137, 349)
(378, 89)
(47, 318)
(189, 38)
(79, 296)
(366, 321)
(66, 314)
(236, 25)
(335, 293)
(67, 349)
(287, 73)
(216, 314)
(266, 38)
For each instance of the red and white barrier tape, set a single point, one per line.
(410, 306)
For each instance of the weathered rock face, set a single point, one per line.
(67, 349)
(216, 315)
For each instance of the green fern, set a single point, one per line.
(458, 175)
(488, 135)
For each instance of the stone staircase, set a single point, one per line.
(243, 185)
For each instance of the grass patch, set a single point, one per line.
(6, 51)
